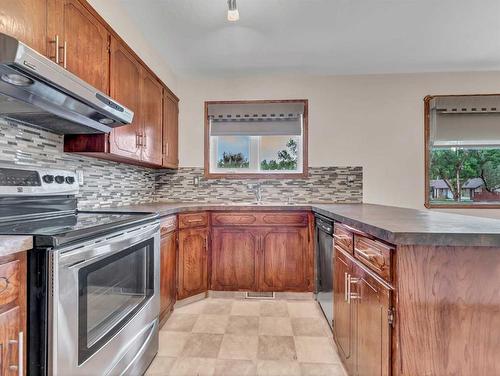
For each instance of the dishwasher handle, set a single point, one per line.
(324, 226)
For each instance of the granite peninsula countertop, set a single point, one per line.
(393, 224)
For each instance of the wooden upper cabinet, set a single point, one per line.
(71, 33)
(126, 79)
(151, 113)
(285, 265)
(192, 270)
(170, 131)
(83, 41)
(26, 20)
(234, 259)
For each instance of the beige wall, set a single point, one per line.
(375, 121)
(120, 21)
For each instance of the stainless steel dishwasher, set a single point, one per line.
(324, 266)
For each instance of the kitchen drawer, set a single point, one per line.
(259, 219)
(9, 282)
(343, 237)
(190, 220)
(168, 224)
(374, 254)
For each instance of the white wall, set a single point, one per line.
(375, 121)
(122, 23)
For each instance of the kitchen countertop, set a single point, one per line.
(392, 224)
(10, 244)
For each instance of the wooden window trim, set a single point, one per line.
(305, 162)
(427, 127)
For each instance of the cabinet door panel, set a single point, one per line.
(284, 264)
(342, 323)
(9, 336)
(125, 87)
(151, 107)
(87, 44)
(170, 131)
(25, 20)
(234, 259)
(372, 334)
(192, 272)
(168, 266)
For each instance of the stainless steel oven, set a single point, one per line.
(103, 304)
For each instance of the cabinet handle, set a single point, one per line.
(20, 355)
(144, 140)
(56, 42)
(345, 286)
(138, 138)
(65, 64)
(350, 295)
(194, 220)
(63, 60)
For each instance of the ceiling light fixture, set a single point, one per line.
(232, 13)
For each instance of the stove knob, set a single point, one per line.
(48, 179)
(70, 179)
(59, 179)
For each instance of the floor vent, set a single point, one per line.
(259, 295)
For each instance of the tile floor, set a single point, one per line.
(246, 337)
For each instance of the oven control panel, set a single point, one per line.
(17, 180)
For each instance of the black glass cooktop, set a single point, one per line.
(63, 229)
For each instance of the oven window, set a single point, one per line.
(111, 291)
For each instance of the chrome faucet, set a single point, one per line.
(257, 189)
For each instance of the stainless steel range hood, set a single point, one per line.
(37, 91)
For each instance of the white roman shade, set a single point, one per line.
(256, 119)
(465, 121)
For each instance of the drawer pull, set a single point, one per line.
(194, 220)
(4, 284)
(365, 254)
(341, 238)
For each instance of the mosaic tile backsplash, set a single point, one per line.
(325, 184)
(107, 183)
(104, 183)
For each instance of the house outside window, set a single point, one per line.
(256, 139)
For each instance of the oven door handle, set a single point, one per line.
(103, 247)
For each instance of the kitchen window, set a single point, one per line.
(256, 139)
(462, 151)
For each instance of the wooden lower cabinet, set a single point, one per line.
(284, 261)
(168, 268)
(373, 328)
(262, 251)
(342, 312)
(13, 314)
(192, 276)
(234, 259)
(10, 332)
(362, 329)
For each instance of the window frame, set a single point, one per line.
(259, 175)
(427, 159)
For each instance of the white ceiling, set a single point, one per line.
(321, 36)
